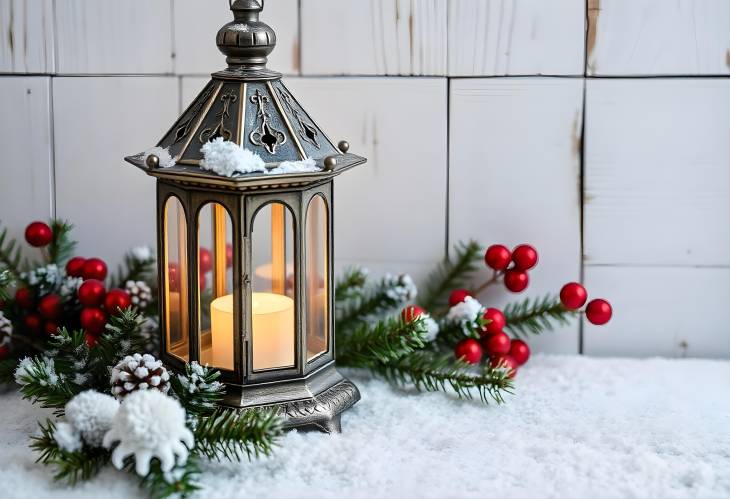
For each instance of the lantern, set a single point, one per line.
(246, 259)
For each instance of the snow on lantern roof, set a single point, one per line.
(247, 105)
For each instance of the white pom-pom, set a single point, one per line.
(432, 328)
(166, 160)
(91, 414)
(150, 425)
(67, 437)
(227, 158)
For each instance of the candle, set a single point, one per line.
(273, 331)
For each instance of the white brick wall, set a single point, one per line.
(501, 120)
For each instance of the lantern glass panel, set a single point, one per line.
(215, 263)
(317, 278)
(176, 280)
(273, 288)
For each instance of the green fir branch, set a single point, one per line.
(7, 370)
(351, 283)
(380, 343)
(453, 272)
(388, 295)
(431, 372)
(235, 435)
(122, 337)
(69, 467)
(6, 280)
(198, 389)
(62, 246)
(11, 255)
(534, 316)
(41, 384)
(135, 269)
(182, 481)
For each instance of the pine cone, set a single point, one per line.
(139, 292)
(139, 372)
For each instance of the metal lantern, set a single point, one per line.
(246, 261)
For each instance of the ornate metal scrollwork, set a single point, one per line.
(183, 130)
(264, 134)
(306, 128)
(225, 113)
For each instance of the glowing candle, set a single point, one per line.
(273, 331)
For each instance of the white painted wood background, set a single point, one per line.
(501, 120)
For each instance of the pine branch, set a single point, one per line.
(383, 342)
(351, 283)
(198, 390)
(123, 336)
(6, 280)
(62, 246)
(233, 434)
(533, 316)
(7, 370)
(40, 383)
(452, 273)
(70, 354)
(180, 482)
(70, 467)
(11, 255)
(389, 294)
(134, 268)
(430, 372)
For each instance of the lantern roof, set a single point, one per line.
(249, 105)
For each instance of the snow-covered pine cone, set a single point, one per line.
(139, 292)
(139, 372)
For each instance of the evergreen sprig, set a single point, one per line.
(180, 482)
(7, 370)
(453, 272)
(11, 255)
(122, 337)
(534, 316)
(70, 467)
(234, 434)
(6, 280)
(62, 246)
(431, 372)
(374, 302)
(352, 282)
(134, 268)
(41, 384)
(380, 343)
(198, 389)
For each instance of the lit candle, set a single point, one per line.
(273, 331)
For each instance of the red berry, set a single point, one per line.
(173, 277)
(524, 256)
(50, 328)
(117, 299)
(505, 362)
(599, 312)
(38, 234)
(519, 351)
(411, 313)
(205, 260)
(496, 344)
(229, 256)
(91, 293)
(94, 268)
(498, 321)
(497, 257)
(4, 351)
(33, 323)
(51, 307)
(573, 296)
(24, 298)
(457, 296)
(516, 280)
(75, 266)
(469, 350)
(91, 340)
(93, 320)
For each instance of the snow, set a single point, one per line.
(577, 427)
(308, 165)
(228, 158)
(163, 154)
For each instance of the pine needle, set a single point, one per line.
(235, 435)
(453, 272)
(62, 246)
(533, 316)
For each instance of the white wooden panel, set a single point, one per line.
(198, 21)
(649, 37)
(657, 172)
(113, 37)
(515, 177)
(374, 37)
(26, 43)
(391, 212)
(98, 121)
(516, 37)
(679, 311)
(26, 172)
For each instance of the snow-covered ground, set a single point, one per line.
(577, 427)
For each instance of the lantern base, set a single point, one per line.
(315, 402)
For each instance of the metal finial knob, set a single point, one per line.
(343, 146)
(246, 40)
(330, 162)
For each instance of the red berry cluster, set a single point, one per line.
(573, 296)
(513, 265)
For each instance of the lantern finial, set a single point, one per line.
(246, 41)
